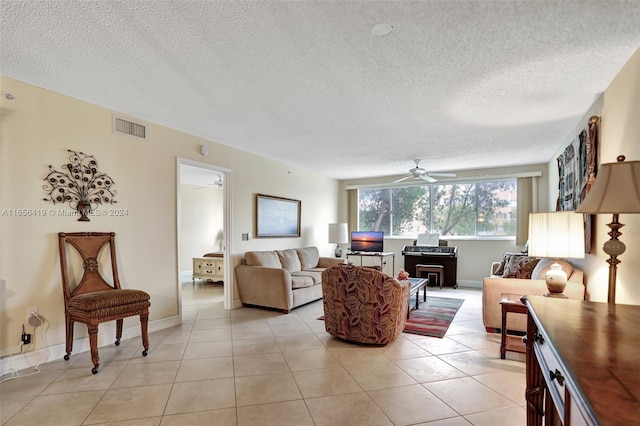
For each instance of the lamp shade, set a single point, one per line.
(338, 233)
(556, 235)
(616, 189)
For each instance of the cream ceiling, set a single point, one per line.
(460, 84)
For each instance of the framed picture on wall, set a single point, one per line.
(277, 217)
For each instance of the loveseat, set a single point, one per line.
(282, 279)
(519, 274)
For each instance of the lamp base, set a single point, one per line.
(614, 248)
(338, 251)
(556, 295)
(556, 280)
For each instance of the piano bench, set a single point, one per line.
(431, 270)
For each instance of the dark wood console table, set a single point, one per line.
(583, 362)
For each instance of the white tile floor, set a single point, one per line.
(258, 367)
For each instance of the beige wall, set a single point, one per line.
(37, 129)
(619, 111)
(201, 222)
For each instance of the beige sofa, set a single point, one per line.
(496, 284)
(282, 279)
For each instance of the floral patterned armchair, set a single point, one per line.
(364, 305)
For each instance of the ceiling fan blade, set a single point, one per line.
(403, 179)
(428, 178)
(442, 174)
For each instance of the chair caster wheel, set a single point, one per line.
(67, 356)
(117, 342)
(94, 370)
(144, 353)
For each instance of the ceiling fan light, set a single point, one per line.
(420, 173)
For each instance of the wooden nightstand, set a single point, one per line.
(510, 303)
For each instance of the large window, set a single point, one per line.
(454, 209)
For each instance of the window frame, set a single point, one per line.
(430, 187)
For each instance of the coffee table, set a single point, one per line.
(416, 285)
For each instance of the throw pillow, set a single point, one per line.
(505, 259)
(309, 257)
(289, 260)
(268, 259)
(520, 267)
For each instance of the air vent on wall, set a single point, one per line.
(129, 128)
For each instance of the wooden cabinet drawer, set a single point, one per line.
(552, 371)
(582, 363)
(577, 416)
(208, 268)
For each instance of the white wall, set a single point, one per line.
(201, 222)
(37, 129)
(619, 111)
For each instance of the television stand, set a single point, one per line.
(378, 255)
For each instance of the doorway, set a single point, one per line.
(203, 194)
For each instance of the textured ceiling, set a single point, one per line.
(460, 84)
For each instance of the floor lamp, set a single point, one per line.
(615, 191)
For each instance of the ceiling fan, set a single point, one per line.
(216, 184)
(418, 172)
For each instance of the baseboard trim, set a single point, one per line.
(470, 283)
(56, 352)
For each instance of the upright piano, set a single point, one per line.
(446, 256)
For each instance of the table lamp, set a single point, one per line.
(556, 235)
(338, 233)
(616, 190)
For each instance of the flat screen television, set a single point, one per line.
(367, 241)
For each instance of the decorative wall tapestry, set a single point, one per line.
(577, 168)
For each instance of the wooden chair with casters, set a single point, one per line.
(94, 300)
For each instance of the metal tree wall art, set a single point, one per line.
(81, 185)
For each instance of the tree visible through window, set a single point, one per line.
(456, 209)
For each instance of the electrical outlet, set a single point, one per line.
(245, 237)
(26, 338)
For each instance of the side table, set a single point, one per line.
(510, 303)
